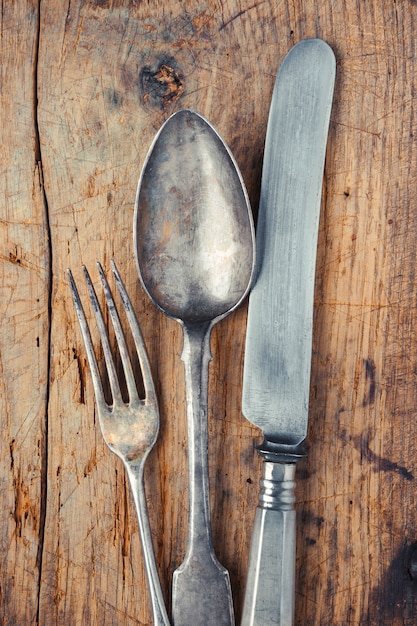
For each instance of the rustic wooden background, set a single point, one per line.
(85, 85)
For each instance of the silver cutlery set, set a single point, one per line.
(195, 252)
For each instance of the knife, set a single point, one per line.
(276, 377)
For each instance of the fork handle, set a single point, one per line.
(269, 595)
(135, 474)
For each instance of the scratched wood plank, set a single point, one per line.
(110, 77)
(360, 525)
(109, 73)
(24, 315)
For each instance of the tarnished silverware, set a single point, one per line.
(194, 244)
(276, 379)
(129, 428)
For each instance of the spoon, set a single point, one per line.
(194, 242)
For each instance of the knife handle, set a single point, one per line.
(269, 595)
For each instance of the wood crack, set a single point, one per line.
(44, 441)
(239, 14)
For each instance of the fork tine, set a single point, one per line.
(111, 370)
(150, 394)
(88, 344)
(121, 341)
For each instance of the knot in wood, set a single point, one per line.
(163, 86)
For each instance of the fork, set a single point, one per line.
(129, 428)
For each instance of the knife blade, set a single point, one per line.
(276, 378)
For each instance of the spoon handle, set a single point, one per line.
(201, 592)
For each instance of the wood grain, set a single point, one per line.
(85, 86)
(24, 314)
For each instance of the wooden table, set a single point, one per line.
(84, 88)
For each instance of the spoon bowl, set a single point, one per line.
(194, 234)
(194, 243)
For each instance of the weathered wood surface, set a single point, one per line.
(84, 88)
